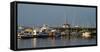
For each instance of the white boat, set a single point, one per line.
(86, 34)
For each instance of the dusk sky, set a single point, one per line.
(31, 14)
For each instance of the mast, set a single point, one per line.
(65, 18)
(65, 25)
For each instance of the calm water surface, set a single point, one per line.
(53, 42)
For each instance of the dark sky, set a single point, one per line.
(31, 14)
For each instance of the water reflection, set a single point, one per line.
(52, 39)
(53, 42)
(34, 42)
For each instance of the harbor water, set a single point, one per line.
(54, 42)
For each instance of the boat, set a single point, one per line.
(42, 35)
(86, 34)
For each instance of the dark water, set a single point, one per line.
(53, 42)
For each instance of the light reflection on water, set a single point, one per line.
(53, 42)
